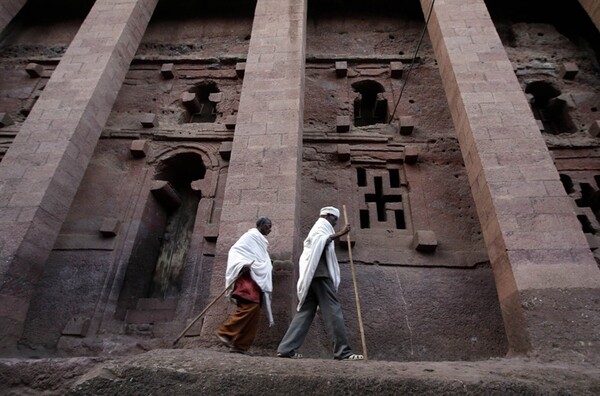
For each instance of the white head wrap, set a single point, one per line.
(330, 210)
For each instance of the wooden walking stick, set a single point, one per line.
(360, 322)
(207, 307)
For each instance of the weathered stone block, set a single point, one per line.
(568, 71)
(5, 120)
(139, 148)
(165, 194)
(594, 129)
(215, 97)
(406, 125)
(240, 69)
(168, 71)
(191, 102)
(34, 70)
(211, 232)
(411, 154)
(343, 152)
(77, 326)
(149, 120)
(225, 150)
(230, 122)
(396, 69)
(342, 123)
(110, 227)
(424, 241)
(341, 69)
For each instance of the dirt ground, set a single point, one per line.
(216, 372)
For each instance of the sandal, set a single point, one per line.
(353, 356)
(292, 355)
(226, 341)
(237, 350)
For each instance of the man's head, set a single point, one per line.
(264, 224)
(330, 214)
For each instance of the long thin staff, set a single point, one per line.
(360, 322)
(207, 307)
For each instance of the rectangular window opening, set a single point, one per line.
(361, 175)
(364, 219)
(394, 178)
(400, 223)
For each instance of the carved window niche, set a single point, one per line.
(550, 108)
(383, 203)
(587, 200)
(370, 104)
(201, 102)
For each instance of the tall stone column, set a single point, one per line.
(266, 159)
(8, 10)
(546, 277)
(43, 168)
(592, 7)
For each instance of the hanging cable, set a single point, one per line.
(413, 60)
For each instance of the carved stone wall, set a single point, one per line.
(426, 285)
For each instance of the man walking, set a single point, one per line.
(318, 282)
(249, 267)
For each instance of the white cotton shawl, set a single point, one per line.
(252, 247)
(309, 259)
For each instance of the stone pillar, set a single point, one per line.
(266, 158)
(592, 7)
(545, 274)
(8, 10)
(41, 171)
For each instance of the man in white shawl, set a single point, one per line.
(318, 281)
(249, 271)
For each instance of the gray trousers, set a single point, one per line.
(321, 293)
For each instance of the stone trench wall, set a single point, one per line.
(572, 72)
(416, 305)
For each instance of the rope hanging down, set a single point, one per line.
(412, 62)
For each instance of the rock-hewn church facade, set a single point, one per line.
(140, 138)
